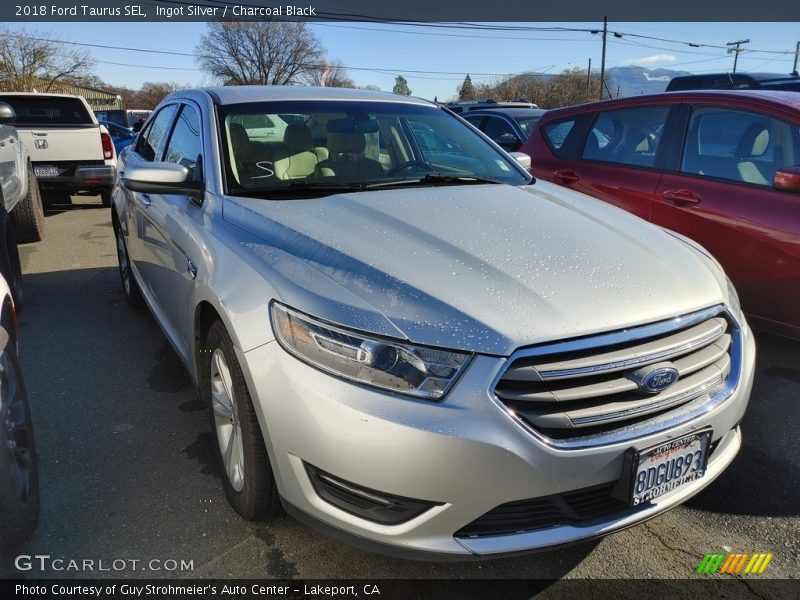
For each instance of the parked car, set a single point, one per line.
(21, 212)
(719, 167)
(421, 357)
(123, 118)
(731, 81)
(70, 151)
(508, 127)
(122, 137)
(19, 481)
(462, 107)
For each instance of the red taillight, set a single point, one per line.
(108, 145)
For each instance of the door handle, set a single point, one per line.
(146, 200)
(191, 268)
(566, 176)
(682, 196)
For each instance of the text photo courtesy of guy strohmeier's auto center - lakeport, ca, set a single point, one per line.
(432, 300)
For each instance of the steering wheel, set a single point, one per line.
(409, 164)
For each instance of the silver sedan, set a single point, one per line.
(410, 344)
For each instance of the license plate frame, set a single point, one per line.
(664, 454)
(45, 171)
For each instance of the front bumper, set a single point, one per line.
(465, 453)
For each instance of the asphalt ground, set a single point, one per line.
(127, 469)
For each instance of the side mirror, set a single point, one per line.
(7, 114)
(508, 141)
(523, 160)
(161, 178)
(787, 178)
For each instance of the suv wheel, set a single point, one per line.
(244, 464)
(28, 214)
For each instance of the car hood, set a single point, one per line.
(483, 268)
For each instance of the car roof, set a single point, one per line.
(240, 94)
(786, 100)
(741, 75)
(40, 94)
(512, 111)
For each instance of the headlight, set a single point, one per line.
(733, 300)
(396, 366)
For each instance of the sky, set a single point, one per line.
(377, 53)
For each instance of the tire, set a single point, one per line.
(10, 267)
(130, 287)
(105, 199)
(19, 475)
(28, 214)
(248, 481)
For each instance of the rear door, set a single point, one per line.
(144, 241)
(166, 218)
(620, 160)
(720, 194)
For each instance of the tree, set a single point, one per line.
(41, 63)
(259, 53)
(336, 77)
(467, 91)
(401, 86)
(153, 92)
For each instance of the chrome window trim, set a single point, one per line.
(639, 430)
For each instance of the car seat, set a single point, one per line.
(753, 145)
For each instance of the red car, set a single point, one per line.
(721, 167)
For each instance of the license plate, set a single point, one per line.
(668, 466)
(45, 171)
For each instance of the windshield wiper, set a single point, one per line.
(297, 187)
(434, 178)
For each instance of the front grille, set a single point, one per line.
(589, 386)
(548, 511)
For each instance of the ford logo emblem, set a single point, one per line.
(655, 378)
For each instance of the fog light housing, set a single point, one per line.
(375, 506)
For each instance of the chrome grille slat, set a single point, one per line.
(593, 389)
(685, 366)
(672, 346)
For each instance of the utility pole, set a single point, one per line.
(589, 78)
(796, 54)
(735, 51)
(603, 58)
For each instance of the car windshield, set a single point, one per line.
(329, 145)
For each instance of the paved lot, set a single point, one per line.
(126, 452)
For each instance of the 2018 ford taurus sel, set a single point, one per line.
(413, 346)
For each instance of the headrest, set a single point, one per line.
(754, 141)
(634, 141)
(346, 143)
(240, 141)
(298, 138)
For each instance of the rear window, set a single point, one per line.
(48, 110)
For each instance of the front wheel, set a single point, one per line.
(105, 199)
(246, 472)
(19, 479)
